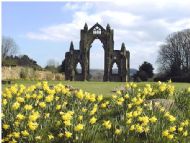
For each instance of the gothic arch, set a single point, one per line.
(112, 67)
(77, 70)
(87, 38)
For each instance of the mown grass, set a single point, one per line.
(104, 88)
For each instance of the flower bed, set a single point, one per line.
(43, 113)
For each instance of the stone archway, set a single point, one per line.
(82, 55)
(96, 61)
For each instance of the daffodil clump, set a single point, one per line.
(42, 113)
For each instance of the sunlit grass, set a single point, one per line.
(104, 88)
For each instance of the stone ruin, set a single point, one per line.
(82, 56)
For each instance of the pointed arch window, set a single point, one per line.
(115, 69)
(97, 30)
(78, 68)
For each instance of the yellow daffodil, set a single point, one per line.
(171, 118)
(144, 120)
(162, 87)
(34, 116)
(104, 105)
(146, 129)
(126, 96)
(20, 99)
(93, 120)
(170, 136)
(118, 92)
(49, 98)
(6, 126)
(132, 128)
(27, 96)
(118, 131)
(25, 133)
(50, 137)
(80, 118)
(67, 116)
(68, 134)
(33, 125)
(39, 97)
(139, 128)
(42, 104)
(79, 127)
(60, 135)
(188, 90)
(129, 121)
(84, 110)
(16, 134)
(16, 105)
(107, 124)
(130, 105)
(153, 119)
(4, 101)
(185, 133)
(38, 137)
(58, 107)
(20, 117)
(165, 133)
(47, 115)
(80, 94)
(94, 110)
(180, 129)
(100, 98)
(172, 129)
(28, 107)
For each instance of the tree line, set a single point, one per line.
(10, 58)
(173, 60)
(174, 57)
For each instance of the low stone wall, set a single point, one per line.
(29, 73)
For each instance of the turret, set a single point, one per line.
(108, 27)
(123, 49)
(85, 27)
(71, 47)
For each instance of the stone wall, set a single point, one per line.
(29, 73)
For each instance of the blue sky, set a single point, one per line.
(43, 30)
(19, 18)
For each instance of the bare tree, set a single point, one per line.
(9, 47)
(174, 54)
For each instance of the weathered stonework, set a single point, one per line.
(120, 57)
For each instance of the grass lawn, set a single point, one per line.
(104, 88)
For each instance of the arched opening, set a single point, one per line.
(115, 68)
(78, 68)
(96, 61)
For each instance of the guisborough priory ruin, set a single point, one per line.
(82, 56)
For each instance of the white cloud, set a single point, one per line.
(140, 24)
(78, 6)
(63, 32)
